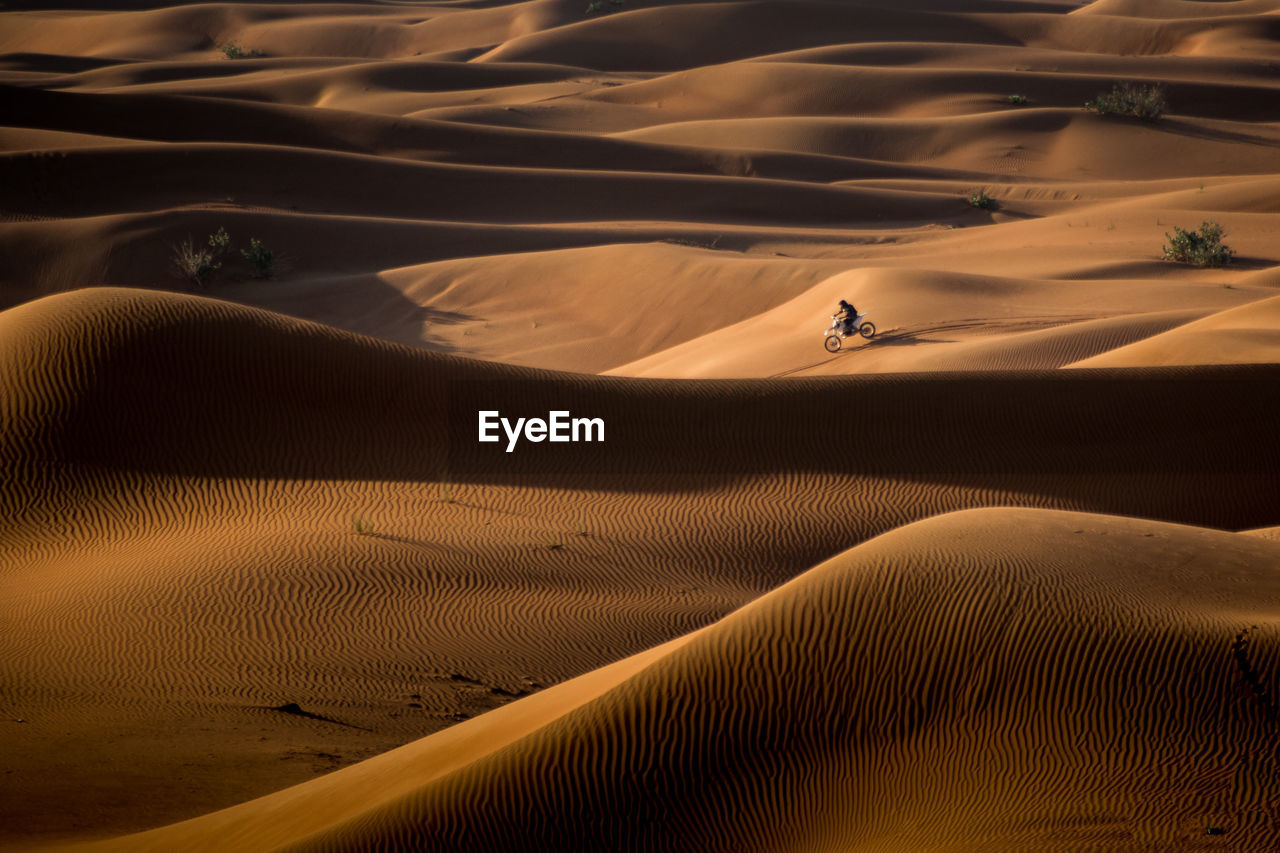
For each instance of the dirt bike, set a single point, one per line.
(836, 334)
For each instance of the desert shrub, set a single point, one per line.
(1144, 102)
(231, 50)
(219, 242)
(1201, 249)
(981, 200)
(1017, 100)
(596, 6)
(197, 264)
(194, 263)
(261, 258)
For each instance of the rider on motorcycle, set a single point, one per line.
(846, 315)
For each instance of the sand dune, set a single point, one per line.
(830, 136)
(958, 678)
(932, 320)
(249, 540)
(1246, 334)
(184, 474)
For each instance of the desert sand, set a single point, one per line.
(1005, 576)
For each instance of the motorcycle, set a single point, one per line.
(836, 334)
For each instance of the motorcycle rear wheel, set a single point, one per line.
(867, 330)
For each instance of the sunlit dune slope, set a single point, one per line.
(1246, 334)
(931, 320)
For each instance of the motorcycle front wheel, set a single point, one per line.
(833, 343)
(867, 330)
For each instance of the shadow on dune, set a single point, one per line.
(900, 339)
(1199, 131)
(366, 304)
(111, 380)
(52, 63)
(1250, 263)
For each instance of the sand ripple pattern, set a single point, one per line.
(1039, 680)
